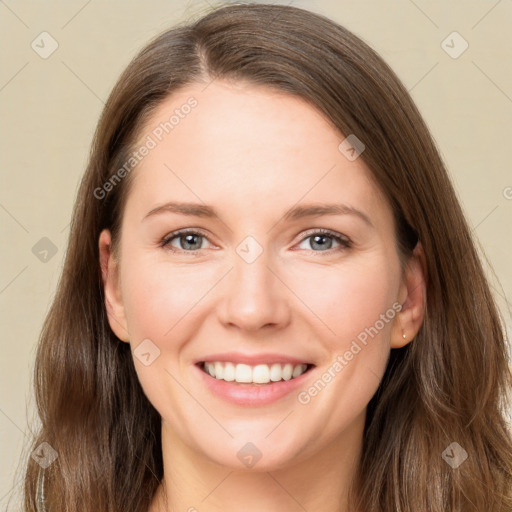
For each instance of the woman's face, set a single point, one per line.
(255, 289)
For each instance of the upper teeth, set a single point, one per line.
(259, 374)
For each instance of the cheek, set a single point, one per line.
(356, 304)
(162, 302)
(159, 297)
(349, 299)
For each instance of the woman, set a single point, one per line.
(318, 346)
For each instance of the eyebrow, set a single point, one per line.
(294, 213)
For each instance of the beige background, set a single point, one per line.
(49, 109)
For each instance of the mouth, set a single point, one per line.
(253, 375)
(252, 380)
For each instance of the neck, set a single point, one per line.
(194, 483)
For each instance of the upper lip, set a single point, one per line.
(254, 359)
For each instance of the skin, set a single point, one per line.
(253, 153)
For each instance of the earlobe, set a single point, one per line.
(111, 286)
(413, 292)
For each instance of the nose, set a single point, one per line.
(254, 296)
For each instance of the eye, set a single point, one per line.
(187, 240)
(323, 239)
(191, 241)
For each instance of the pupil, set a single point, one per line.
(188, 239)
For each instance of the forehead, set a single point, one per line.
(249, 147)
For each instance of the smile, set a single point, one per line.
(253, 380)
(257, 374)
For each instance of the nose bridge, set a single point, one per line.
(255, 297)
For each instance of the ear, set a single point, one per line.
(413, 298)
(111, 286)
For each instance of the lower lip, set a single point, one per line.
(252, 394)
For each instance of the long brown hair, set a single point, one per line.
(448, 385)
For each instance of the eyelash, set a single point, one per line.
(344, 242)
